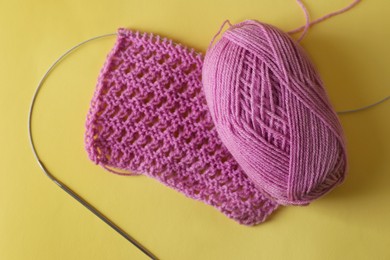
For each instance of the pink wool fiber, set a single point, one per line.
(271, 111)
(149, 116)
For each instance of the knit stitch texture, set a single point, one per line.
(149, 116)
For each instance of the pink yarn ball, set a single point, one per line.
(271, 111)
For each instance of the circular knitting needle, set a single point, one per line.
(74, 194)
(56, 180)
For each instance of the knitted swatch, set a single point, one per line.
(149, 116)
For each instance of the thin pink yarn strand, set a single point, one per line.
(323, 18)
(307, 17)
(219, 32)
(305, 28)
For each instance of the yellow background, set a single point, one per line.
(40, 221)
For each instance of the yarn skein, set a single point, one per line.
(271, 111)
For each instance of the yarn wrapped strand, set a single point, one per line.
(272, 112)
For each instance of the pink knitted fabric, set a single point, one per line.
(149, 116)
